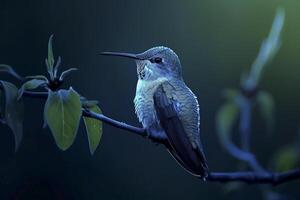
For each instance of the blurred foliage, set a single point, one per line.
(268, 50)
(226, 118)
(266, 106)
(230, 112)
(286, 158)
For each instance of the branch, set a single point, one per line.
(242, 155)
(255, 177)
(223, 177)
(115, 123)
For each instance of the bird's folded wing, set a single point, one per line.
(179, 146)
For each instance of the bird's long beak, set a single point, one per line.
(127, 55)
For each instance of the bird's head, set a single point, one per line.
(154, 63)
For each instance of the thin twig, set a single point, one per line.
(242, 155)
(115, 123)
(255, 177)
(245, 122)
(245, 132)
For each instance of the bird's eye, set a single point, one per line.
(156, 60)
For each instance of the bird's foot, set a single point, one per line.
(156, 138)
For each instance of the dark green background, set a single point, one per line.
(215, 40)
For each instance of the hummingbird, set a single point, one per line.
(167, 108)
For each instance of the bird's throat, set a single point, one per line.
(141, 70)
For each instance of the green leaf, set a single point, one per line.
(286, 158)
(226, 118)
(93, 129)
(65, 73)
(89, 103)
(41, 77)
(62, 113)
(268, 50)
(231, 94)
(266, 103)
(10, 70)
(57, 66)
(13, 111)
(30, 85)
(50, 59)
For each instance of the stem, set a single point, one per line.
(245, 122)
(243, 156)
(245, 131)
(255, 177)
(115, 123)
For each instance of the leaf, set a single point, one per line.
(13, 115)
(266, 107)
(268, 50)
(93, 129)
(226, 117)
(62, 113)
(30, 85)
(50, 59)
(286, 158)
(41, 77)
(57, 66)
(10, 70)
(65, 73)
(89, 103)
(230, 94)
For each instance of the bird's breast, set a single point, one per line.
(143, 101)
